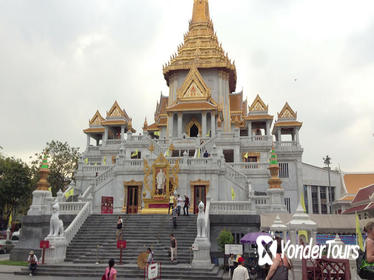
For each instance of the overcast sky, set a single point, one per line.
(60, 61)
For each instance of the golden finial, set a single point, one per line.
(145, 123)
(43, 183)
(200, 11)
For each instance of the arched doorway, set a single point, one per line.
(194, 131)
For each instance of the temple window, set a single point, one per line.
(287, 202)
(283, 170)
(315, 200)
(244, 132)
(229, 155)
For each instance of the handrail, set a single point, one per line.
(86, 192)
(78, 221)
(103, 177)
(207, 221)
(65, 192)
(237, 176)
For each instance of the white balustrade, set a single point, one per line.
(78, 221)
(95, 168)
(113, 141)
(104, 176)
(71, 208)
(230, 207)
(249, 165)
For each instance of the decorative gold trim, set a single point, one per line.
(147, 172)
(258, 105)
(132, 183)
(94, 130)
(190, 124)
(96, 119)
(287, 113)
(194, 87)
(116, 111)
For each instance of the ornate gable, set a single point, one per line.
(287, 113)
(116, 112)
(96, 119)
(258, 105)
(194, 87)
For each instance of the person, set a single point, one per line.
(171, 202)
(231, 265)
(33, 262)
(206, 154)
(110, 271)
(241, 272)
(179, 204)
(367, 264)
(174, 214)
(173, 248)
(119, 228)
(186, 205)
(279, 268)
(150, 256)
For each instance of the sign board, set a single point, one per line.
(44, 244)
(107, 205)
(121, 244)
(233, 249)
(153, 270)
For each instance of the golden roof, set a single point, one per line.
(152, 127)
(236, 102)
(201, 47)
(258, 117)
(288, 124)
(258, 105)
(354, 182)
(95, 130)
(117, 112)
(192, 106)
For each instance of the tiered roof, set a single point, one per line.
(287, 117)
(201, 47)
(115, 116)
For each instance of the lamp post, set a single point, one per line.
(327, 161)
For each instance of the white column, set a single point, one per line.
(327, 200)
(297, 135)
(170, 125)
(203, 120)
(310, 207)
(249, 124)
(319, 200)
(213, 123)
(122, 133)
(88, 140)
(267, 132)
(105, 135)
(279, 135)
(180, 117)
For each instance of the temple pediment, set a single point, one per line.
(258, 105)
(194, 87)
(287, 113)
(116, 112)
(96, 120)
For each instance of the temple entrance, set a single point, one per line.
(194, 131)
(199, 195)
(132, 200)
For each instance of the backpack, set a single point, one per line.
(364, 269)
(281, 273)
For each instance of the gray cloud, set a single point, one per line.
(62, 60)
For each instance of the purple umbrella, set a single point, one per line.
(252, 237)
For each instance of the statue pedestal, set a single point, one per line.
(276, 200)
(57, 250)
(41, 201)
(201, 253)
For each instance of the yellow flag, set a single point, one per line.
(104, 160)
(69, 193)
(86, 161)
(246, 155)
(305, 233)
(198, 153)
(10, 221)
(302, 200)
(232, 193)
(167, 153)
(157, 133)
(360, 240)
(208, 133)
(50, 189)
(134, 154)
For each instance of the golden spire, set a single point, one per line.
(200, 11)
(43, 183)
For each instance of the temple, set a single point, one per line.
(206, 140)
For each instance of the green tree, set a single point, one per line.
(15, 186)
(224, 237)
(63, 161)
